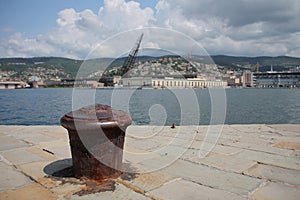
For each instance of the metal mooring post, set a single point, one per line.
(96, 136)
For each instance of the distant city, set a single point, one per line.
(152, 72)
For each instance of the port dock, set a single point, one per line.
(248, 162)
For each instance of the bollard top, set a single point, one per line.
(95, 116)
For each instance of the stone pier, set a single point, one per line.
(247, 162)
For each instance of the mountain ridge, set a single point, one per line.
(71, 66)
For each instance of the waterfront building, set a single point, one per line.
(247, 79)
(171, 82)
(135, 82)
(234, 82)
(286, 79)
(12, 84)
(116, 79)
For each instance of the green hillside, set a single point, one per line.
(71, 66)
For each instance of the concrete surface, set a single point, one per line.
(247, 162)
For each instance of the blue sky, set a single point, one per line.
(72, 27)
(34, 17)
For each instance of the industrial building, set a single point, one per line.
(274, 79)
(170, 82)
(12, 85)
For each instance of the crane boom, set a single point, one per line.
(129, 62)
(107, 78)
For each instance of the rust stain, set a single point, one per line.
(287, 145)
(128, 173)
(136, 189)
(88, 186)
(93, 186)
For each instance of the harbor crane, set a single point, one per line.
(130, 60)
(127, 65)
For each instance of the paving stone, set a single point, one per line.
(2, 159)
(183, 189)
(143, 144)
(193, 153)
(121, 192)
(60, 148)
(31, 133)
(251, 128)
(23, 133)
(21, 156)
(48, 183)
(286, 128)
(42, 153)
(150, 181)
(274, 173)
(232, 182)
(10, 178)
(271, 159)
(288, 145)
(133, 156)
(224, 162)
(40, 169)
(9, 142)
(264, 148)
(295, 154)
(11, 130)
(34, 169)
(63, 134)
(37, 138)
(218, 175)
(32, 192)
(217, 148)
(276, 191)
(33, 129)
(154, 163)
(58, 131)
(67, 189)
(142, 131)
(161, 133)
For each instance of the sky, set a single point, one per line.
(72, 28)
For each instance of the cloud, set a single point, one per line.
(235, 27)
(77, 33)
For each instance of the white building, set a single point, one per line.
(170, 82)
(136, 82)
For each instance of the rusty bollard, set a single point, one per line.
(96, 136)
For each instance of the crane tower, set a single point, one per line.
(129, 62)
(127, 65)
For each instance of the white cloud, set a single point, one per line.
(235, 27)
(119, 15)
(77, 33)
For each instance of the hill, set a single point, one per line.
(279, 63)
(71, 66)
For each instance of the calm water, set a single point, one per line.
(162, 107)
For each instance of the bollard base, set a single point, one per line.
(96, 160)
(96, 134)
